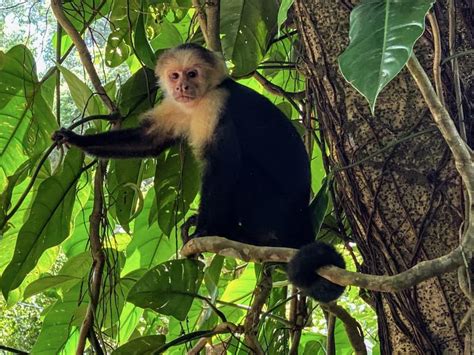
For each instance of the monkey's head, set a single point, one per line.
(189, 71)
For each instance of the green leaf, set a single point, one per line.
(78, 241)
(149, 245)
(48, 223)
(26, 121)
(169, 288)
(382, 35)
(70, 274)
(138, 93)
(129, 319)
(319, 205)
(58, 323)
(82, 96)
(168, 36)
(176, 186)
(117, 50)
(125, 178)
(141, 346)
(283, 12)
(142, 47)
(247, 27)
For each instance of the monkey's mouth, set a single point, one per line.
(184, 98)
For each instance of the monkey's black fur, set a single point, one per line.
(255, 181)
(312, 257)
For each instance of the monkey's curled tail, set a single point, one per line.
(301, 271)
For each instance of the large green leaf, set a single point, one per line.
(26, 121)
(169, 288)
(138, 93)
(48, 222)
(129, 320)
(82, 96)
(176, 186)
(149, 245)
(59, 323)
(141, 346)
(143, 49)
(247, 26)
(70, 274)
(382, 35)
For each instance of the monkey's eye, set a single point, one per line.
(192, 74)
(174, 76)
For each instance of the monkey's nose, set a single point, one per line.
(182, 88)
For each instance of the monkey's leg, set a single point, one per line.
(127, 143)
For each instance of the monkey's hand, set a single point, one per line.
(64, 136)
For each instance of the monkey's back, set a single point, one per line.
(271, 196)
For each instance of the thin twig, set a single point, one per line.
(352, 327)
(436, 55)
(201, 14)
(252, 320)
(98, 258)
(455, 67)
(461, 152)
(222, 328)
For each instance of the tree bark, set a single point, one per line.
(404, 205)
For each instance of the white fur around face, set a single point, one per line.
(195, 121)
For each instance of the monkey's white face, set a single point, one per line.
(187, 77)
(184, 85)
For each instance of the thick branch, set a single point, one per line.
(213, 25)
(84, 55)
(409, 278)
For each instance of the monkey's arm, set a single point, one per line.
(126, 143)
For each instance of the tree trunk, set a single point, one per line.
(405, 204)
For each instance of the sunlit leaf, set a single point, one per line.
(117, 49)
(70, 274)
(48, 222)
(83, 97)
(58, 324)
(149, 246)
(26, 121)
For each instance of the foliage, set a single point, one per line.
(45, 198)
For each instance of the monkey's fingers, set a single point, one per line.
(61, 136)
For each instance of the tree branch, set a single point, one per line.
(352, 327)
(461, 152)
(222, 328)
(409, 278)
(84, 55)
(213, 25)
(261, 293)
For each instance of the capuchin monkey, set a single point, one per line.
(256, 176)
